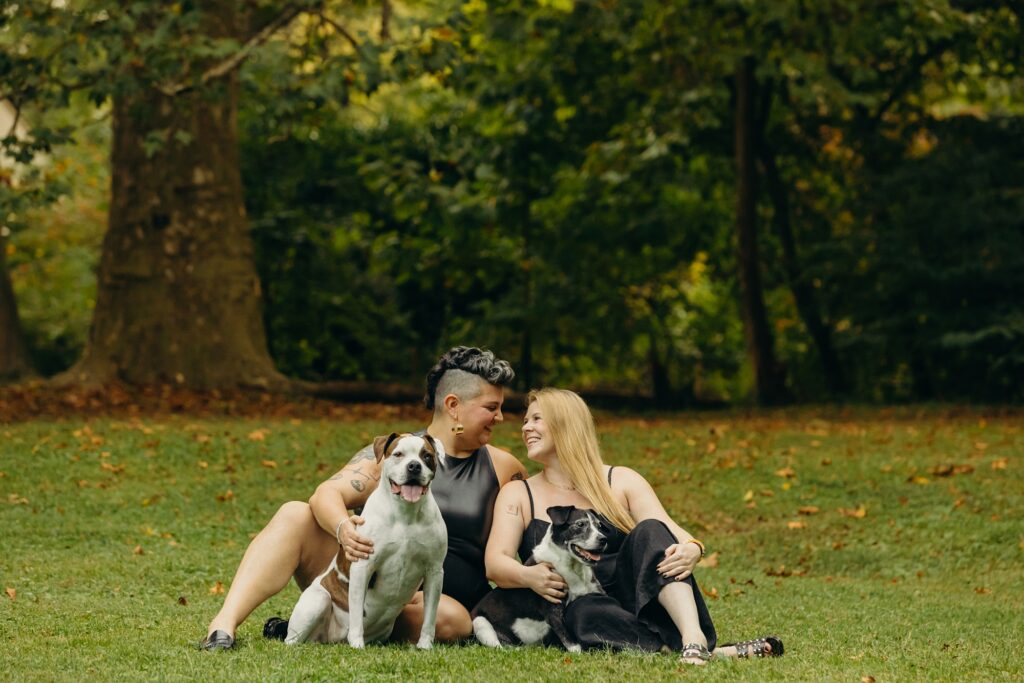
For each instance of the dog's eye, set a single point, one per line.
(580, 524)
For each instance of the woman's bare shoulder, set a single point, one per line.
(506, 466)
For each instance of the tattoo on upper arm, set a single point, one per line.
(363, 454)
(358, 485)
(512, 509)
(518, 476)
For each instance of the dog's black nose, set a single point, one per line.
(414, 468)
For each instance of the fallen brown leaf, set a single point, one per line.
(950, 470)
(259, 435)
(113, 469)
(713, 593)
(796, 525)
(981, 590)
(1000, 464)
(809, 510)
(710, 561)
(11, 593)
(270, 464)
(867, 679)
(859, 512)
(226, 496)
(182, 600)
(137, 550)
(787, 472)
(15, 499)
(217, 588)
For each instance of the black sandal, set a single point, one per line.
(697, 651)
(756, 647)
(217, 642)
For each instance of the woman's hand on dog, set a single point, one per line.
(680, 559)
(356, 547)
(543, 580)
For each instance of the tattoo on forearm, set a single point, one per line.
(364, 454)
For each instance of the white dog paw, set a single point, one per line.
(574, 648)
(425, 644)
(357, 643)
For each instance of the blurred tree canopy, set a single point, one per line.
(697, 202)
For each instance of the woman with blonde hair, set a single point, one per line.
(651, 600)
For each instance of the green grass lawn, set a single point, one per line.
(885, 544)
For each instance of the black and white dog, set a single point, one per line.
(360, 601)
(518, 616)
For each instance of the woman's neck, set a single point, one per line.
(452, 447)
(558, 479)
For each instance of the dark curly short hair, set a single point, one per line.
(457, 364)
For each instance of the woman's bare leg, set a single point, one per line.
(453, 622)
(292, 544)
(677, 599)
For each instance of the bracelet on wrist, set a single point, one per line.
(698, 544)
(337, 531)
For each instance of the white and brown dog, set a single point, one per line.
(360, 601)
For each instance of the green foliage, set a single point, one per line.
(554, 179)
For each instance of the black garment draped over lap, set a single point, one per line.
(465, 490)
(629, 615)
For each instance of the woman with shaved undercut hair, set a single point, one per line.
(465, 390)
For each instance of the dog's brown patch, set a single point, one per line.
(333, 584)
(428, 453)
(383, 446)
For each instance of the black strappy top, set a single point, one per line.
(536, 529)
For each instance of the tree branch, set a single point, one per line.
(234, 61)
(385, 19)
(341, 30)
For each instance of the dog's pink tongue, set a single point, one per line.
(412, 492)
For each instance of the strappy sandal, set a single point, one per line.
(695, 651)
(756, 647)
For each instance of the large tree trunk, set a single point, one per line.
(803, 292)
(179, 297)
(770, 382)
(14, 360)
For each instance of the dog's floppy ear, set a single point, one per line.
(436, 447)
(559, 514)
(382, 444)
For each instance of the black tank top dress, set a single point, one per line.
(465, 490)
(628, 616)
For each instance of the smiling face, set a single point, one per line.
(408, 463)
(580, 531)
(480, 414)
(540, 445)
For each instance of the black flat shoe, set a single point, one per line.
(276, 628)
(216, 641)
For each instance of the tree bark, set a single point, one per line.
(769, 380)
(178, 298)
(803, 292)
(14, 359)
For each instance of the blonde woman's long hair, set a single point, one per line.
(572, 429)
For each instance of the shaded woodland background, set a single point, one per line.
(694, 202)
